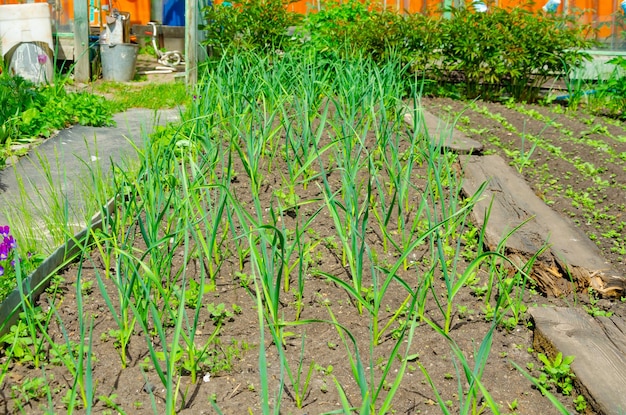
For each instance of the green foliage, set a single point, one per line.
(28, 111)
(593, 309)
(30, 389)
(512, 51)
(503, 52)
(248, 25)
(557, 372)
(25, 349)
(8, 255)
(151, 95)
(612, 93)
(580, 403)
(335, 25)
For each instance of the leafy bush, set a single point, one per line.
(513, 51)
(415, 38)
(249, 25)
(336, 25)
(503, 51)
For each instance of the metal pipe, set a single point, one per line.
(156, 11)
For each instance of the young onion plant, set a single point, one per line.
(348, 158)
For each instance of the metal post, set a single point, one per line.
(81, 41)
(191, 42)
(156, 11)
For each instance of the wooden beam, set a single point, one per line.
(597, 345)
(81, 41)
(191, 42)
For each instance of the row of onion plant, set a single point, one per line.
(308, 139)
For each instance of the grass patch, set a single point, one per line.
(145, 95)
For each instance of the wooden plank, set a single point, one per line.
(442, 132)
(64, 48)
(599, 366)
(191, 42)
(81, 41)
(571, 258)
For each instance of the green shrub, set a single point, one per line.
(249, 25)
(415, 38)
(335, 25)
(513, 51)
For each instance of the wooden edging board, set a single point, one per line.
(444, 132)
(39, 280)
(570, 260)
(599, 349)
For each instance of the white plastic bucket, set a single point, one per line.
(29, 22)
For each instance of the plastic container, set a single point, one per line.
(31, 61)
(551, 6)
(29, 22)
(118, 61)
(174, 12)
(480, 6)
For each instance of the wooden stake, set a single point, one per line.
(191, 42)
(81, 41)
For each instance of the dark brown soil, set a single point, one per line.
(595, 198)
(237, 390)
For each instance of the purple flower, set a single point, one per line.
(10, 241)
(42, 59)
(4, 251)
(5, 230)
(1, 270)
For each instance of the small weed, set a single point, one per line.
(557, 372)
(593, 309)
(109, 401)
(580, 403)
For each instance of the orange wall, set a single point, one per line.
(139, 9)
(599, 12)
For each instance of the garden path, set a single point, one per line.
(72, 152)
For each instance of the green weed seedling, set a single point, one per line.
(30, 389)
(109, 401)
(557, 372)
(593, 309)
(580, 403)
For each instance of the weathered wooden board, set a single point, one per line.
(571, 261)
(437, 129)
(598, 349)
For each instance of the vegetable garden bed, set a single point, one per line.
(295, 246)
